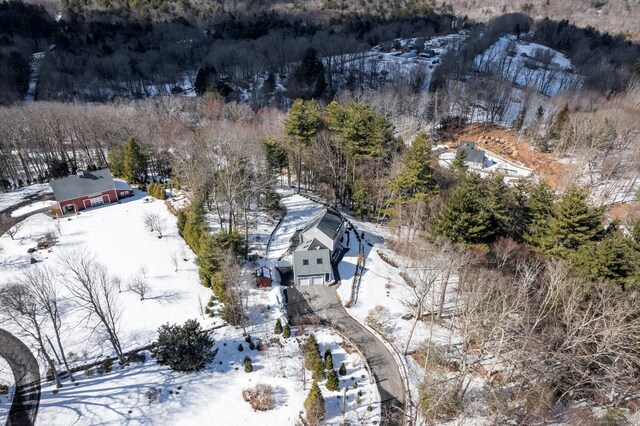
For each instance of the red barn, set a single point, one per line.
(88, 189)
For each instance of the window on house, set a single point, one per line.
(305, 262)
(319, 261)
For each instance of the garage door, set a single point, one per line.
(317, 280)
(98, 201)
(304, 281)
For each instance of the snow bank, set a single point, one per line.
(11, 198)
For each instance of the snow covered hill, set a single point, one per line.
(529, 65)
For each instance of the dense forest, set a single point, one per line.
(122, 50)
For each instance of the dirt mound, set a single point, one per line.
(512, 147)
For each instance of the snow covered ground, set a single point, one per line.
(33, 207)
(529, 64)
(11, 198)
(492, 164)
(395, 61)
(116, 235)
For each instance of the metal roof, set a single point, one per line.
(313, 268)
(328, 222)
(473, 154)
(91, 183)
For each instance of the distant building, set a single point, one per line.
(474, 157)
(88, 189)
(317, 246)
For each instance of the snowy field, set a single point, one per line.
(529, 64)
(33, 207)
(11, 198)
(116, 235)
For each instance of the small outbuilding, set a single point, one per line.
(88, 189)
(264, 278)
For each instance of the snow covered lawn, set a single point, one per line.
(118, 238)
(11, 198)
(33, 207)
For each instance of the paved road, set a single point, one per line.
(322, 301)
(26, 373)
(7, 221)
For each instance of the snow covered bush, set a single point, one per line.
(183, 347)
(261, 397)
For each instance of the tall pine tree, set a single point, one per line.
(574, 223)
(415, 180)
(538, 212)
(302, 124)
(134, 164)
(464, 217)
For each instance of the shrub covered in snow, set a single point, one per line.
(183, 347)
(261, 397)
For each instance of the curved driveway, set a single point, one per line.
(322, 301)
(26, 373)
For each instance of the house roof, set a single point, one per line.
(73, 186)
(473, 154)
(314, 244)
(313, 268)
(328, 222)
(121, 185)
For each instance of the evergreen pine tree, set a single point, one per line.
(574, 223)
(287, 331)
(500, 204)
(200, 85)
(342, 370)
(416, 177)
(459, 165)
(134, 165)
(278, 327)
(248, 368)
(328, 360)
(314, 405)
(183, 347)
(333, 383)
(559, 122)
(463, 217)
(302, 124)
(614, 259)
(538, 213)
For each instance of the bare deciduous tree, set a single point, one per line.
(13, 231)
(155, 223)
(95, 292)
(40, 281)
(139, 286)
(20, 305)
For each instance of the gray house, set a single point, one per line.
(474, 157)
(318, 246)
